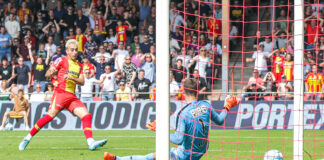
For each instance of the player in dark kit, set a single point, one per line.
(69, 74)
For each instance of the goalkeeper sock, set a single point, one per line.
(40, 123)
(146, 157)
(86, 126)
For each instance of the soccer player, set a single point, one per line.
(69, 74)
(191, 137)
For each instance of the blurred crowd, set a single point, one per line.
(196, 40)
(116, 45)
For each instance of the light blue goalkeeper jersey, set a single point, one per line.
(192, 129)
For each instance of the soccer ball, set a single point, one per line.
(9, 127)
(273, 155)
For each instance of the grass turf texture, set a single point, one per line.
(228, 144)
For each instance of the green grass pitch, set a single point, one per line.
(224, 144)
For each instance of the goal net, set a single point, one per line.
(269, 53)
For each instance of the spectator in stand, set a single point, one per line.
(4, 91)
(111, 37)
(6, 71)
(53, 29)
(86, 65)
(236, 14)
(21, 108)
(39, 25)
(193, 45)
(282, 21)
(314, 85)
(13, 27)
(38, 94)
(49, 93)
(280, 40)
(5, 44)
(174, 48)
(58, 54)
(81, 21)
(288, 68)
(233, 35)
(32, 38)
(178, 34)
(81, 39)
(39, 69)
(270, 86)
(186, 57)
(177, 20)
(129, 71)
(143, 86)
(277, 64)
(59, 11)
(108, 87)
(151, 34)
(27, 24)
(119, 55)
(148, 65)
(23, 52)
(267, 43)
(136, 58)
(179, 72)
(100, 21)
(100, 68)
(87, 88)
(145, 9)
(118, 79)
(135, 43)
(254, 91)
(257, 82)
(123, 93)
(71, 34)
(260, 58)
(67, 21)
(23, 75)
(102, 52)
(121, 31)
(145, 46)
(201, 62)
(113, 17)
(128, 16)
(313, 29)
(50, 46)
(90, 47)
(214, 27)
(283, 87)
(218, 10)
(174, 87)
(202, 86)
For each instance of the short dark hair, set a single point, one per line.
(179, 60)
(190, 86)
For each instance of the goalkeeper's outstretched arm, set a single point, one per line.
(218, 118)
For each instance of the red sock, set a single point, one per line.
(40, 123)
(86, 126)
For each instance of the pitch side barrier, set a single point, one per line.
(134, 115)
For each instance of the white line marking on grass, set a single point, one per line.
(112, 136)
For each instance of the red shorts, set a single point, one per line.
(65, 100)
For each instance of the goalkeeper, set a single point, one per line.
(192, 127)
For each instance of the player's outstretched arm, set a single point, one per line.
(50, 72)
(230, 102)
(218, 118)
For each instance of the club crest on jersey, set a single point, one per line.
(198, 111)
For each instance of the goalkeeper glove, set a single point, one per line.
(151, 125)
(231, 101)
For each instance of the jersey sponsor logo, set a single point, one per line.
(73, 73)
(198, 111)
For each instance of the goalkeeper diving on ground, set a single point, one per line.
(192, 127)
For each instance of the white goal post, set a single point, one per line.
(162, 80)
